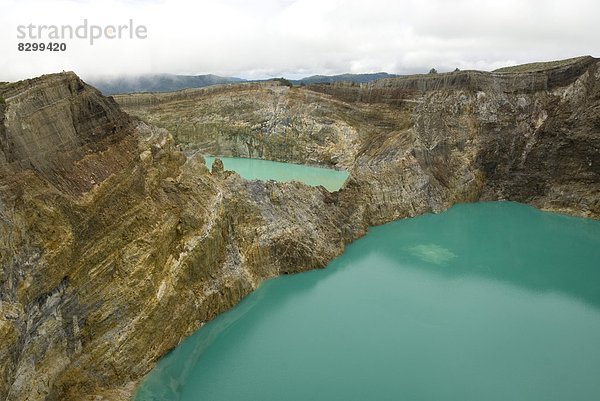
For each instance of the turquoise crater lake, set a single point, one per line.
(487, 301)
(257, 169)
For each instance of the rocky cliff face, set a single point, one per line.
(114, 245)
(416, 143)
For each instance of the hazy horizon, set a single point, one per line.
(300, 38)
(300, 76)
(133, 76)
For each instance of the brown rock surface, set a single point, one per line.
(109, 260)
(415, 143)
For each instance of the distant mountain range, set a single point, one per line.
(358, 78)
(156, 83)
(171, 82)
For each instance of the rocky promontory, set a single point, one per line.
(116, 241)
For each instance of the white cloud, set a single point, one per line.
(255, 39)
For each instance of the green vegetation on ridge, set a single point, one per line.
(540, 66)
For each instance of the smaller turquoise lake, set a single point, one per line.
(257, 169)
(489, 301)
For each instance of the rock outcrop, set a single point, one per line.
(114, 245)
(413, 144)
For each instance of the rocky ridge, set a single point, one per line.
(119, 247)
(413, 144)
(114, 245)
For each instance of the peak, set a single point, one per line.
(66, 79)
(56, 120)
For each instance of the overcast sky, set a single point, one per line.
(295, 38)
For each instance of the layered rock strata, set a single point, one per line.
(415, 143)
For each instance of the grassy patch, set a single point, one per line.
(542, 66)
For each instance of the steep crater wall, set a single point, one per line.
(526, 136)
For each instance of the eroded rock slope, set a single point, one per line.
(117, 246)
(415, 143)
